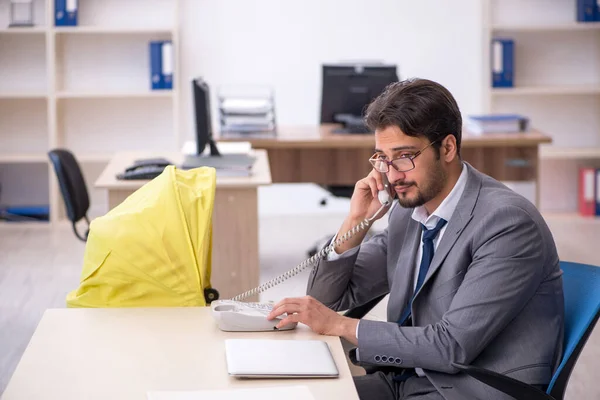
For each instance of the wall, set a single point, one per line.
(283, 44)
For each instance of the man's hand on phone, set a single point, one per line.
(320, 318)
(364, 204)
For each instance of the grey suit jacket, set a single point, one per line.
(492, 296)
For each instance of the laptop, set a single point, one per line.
(258, 358)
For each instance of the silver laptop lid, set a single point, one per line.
(257, 358)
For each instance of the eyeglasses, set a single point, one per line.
(401, 164)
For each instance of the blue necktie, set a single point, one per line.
(428, 237)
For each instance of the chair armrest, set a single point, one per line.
(512, 387)
(361, 311)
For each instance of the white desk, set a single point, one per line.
(117, 354)
(235, 259)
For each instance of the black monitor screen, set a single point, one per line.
(348, 89)
(202, 114)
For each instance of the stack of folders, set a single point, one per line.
(588, 10)
(503, 62)
(65, 12)
(589, 191)
(161, 65)
(246, 117)
(497, 123)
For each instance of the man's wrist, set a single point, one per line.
(348, 329)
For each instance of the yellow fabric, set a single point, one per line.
(154, 249)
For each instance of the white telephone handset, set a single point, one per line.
(236, 315)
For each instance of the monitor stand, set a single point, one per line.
(351, 124)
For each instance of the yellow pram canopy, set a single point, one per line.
(154, 249)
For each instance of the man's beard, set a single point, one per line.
(433, 185)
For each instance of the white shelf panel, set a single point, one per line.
(547, 90)
(22, 95)
(111, 30)
(569, 153)
(116, 95)
(34, 30)
(23, 64)
(571, 217)
(559, 27)
(23, 158)
(94, 128)
(121, 13)
(23, 126)
(98, 64)
(571, 121)
(557, 62)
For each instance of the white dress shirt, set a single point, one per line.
(420, 214)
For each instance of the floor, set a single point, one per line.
(40, 265)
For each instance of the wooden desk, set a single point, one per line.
(235, 260)
(124, 353)
(316, 155)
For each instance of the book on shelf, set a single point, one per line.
(161, 64)
(497, 123)
(503, 62)
(588, 10)
(589, 191)
(66, 12)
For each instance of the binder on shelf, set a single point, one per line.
(156, 81)
(167, 65)
(502, 62)
(588, 10)
(65, 12)
(161, 65)
(588, 193)
(597, 199)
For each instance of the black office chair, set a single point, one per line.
(73, 188)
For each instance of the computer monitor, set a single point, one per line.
(204, 131)
(225, 164)
(348, 88)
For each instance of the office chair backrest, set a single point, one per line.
(581, 285)
(72, 184)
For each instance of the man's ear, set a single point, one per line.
(449, 150)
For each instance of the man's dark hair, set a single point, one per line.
(419, 107)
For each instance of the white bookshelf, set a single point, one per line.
(556, 84)
(83, 88)
(547, 27)
(557, 90)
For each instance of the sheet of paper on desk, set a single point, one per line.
(262, 393)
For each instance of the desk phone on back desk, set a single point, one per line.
(236, 315)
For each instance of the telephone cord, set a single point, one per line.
(319, 255)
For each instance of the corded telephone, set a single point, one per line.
(236, 315)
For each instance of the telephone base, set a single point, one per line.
(238, 316)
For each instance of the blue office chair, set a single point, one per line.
(582, 308)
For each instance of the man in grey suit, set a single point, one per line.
(470, 266)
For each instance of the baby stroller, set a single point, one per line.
(154, 249)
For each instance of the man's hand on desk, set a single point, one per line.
(320, 318)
